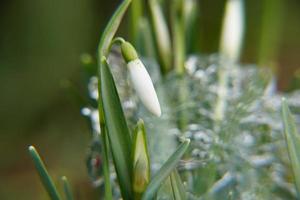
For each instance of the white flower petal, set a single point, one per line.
(143, 85)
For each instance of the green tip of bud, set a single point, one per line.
(128, 51)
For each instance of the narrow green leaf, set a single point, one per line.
(178, 189)
(67, 188)
(117, 130)
(293, 142)
(43, 173)
(165, 171)
(111, 29)
(161, 35)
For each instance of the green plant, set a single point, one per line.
(212, 131)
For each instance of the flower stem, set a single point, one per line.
(178, 23)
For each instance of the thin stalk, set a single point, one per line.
(43, 173)
(221, 94)
(136, 14)
(270, 33)
(67, 188)
(178, 32)
(105, 157)
(190, 17)
(182, 98)
(178, 27)
(161, 36)
(233, 30)
(230, 47)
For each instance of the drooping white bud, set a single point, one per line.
(140, 79)
(233, 29)
(143, 85)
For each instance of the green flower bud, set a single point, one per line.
(141, 164)
(128, 51)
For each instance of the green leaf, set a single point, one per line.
(111, 29)
(67, 188)
(165, 171)
(43, 173)
(117, 131)
(178, 189)
(293, 142)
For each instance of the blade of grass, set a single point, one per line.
(43, 173)
(293, 142)
(117, 130)
(165, 171)
(67, 188)
(177, 186)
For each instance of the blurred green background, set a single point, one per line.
(40, 46)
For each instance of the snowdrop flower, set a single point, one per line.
(233, 29)
(140, 78)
